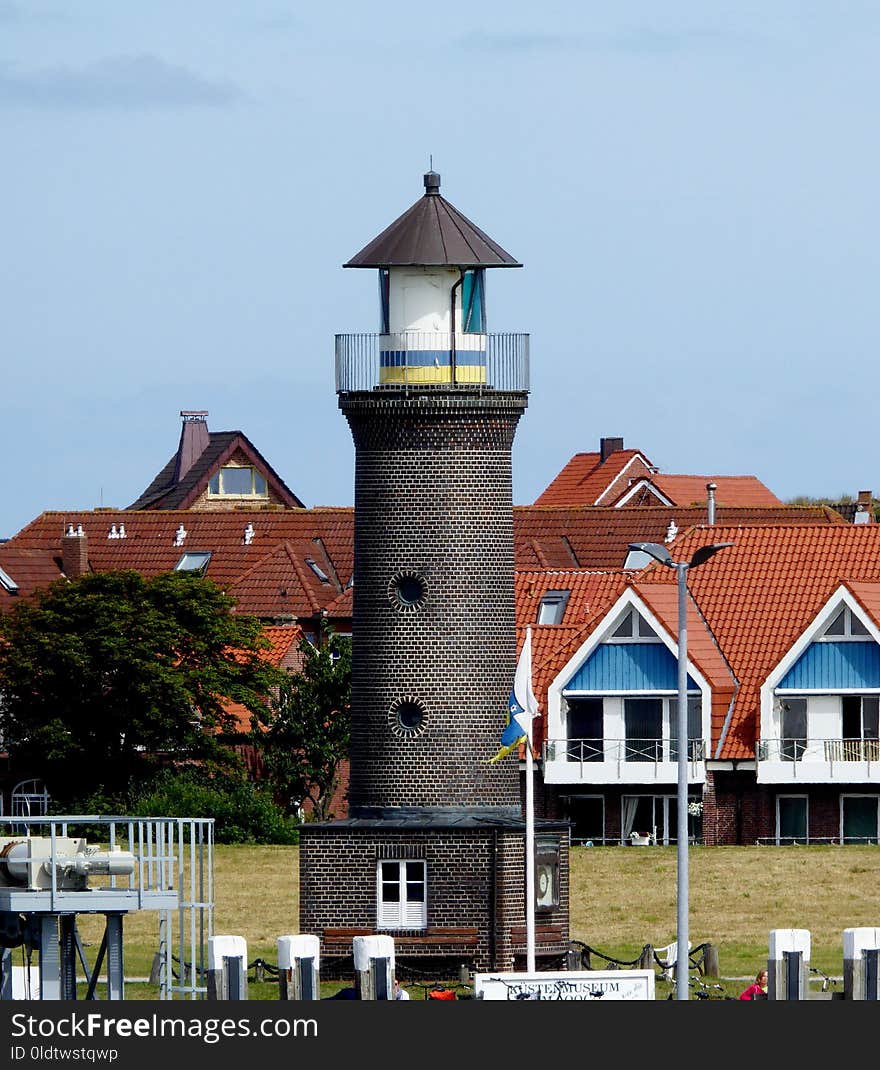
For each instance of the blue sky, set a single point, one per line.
(691, 187)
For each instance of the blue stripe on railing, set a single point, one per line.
(428, 358)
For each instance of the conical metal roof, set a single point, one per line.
(432, 233)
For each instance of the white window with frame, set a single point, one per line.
(401, 894)
(238, 481)
(792, 819)
(654, 819)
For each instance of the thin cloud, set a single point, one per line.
(119, 83)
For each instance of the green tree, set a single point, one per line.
(307, 732)
(110, 676)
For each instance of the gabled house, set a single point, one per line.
(783, 692)
(608, 731)
(619, 477)
(215, 470)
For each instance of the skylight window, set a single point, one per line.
(193, 561)
(7, 582)
(637, 559)
(845, 625)
(235, 481)
(552, 607)
(318, 571)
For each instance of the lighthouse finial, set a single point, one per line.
(432, 180)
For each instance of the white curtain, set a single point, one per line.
(628, 806)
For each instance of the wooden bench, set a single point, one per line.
(438, 935)
(544, 934)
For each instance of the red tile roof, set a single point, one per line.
(586, 480)
(592, 596)
(759, 596)
(270, 576)
(740, 491)
(595, 537)
(283, 652)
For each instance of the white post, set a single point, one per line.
(374, 966)
(682, 935)
(299, 958)
(227, 967)
(530, 857)
(859, 978)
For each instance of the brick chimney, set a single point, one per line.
(607, 446)
(194, 441)
(75, 552)
(864, 513)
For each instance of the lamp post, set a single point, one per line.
(700, 556)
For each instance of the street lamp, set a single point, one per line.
(700, 556)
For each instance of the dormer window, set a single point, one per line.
(552, 607)
(633, 628)
(194, 561)
(845, 625)
(234, 481)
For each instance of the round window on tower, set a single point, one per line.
(407, 591)
(407, 717)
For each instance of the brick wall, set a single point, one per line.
(433, 500)
(475, 880)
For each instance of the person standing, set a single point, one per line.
(758, 988)
(400, 993)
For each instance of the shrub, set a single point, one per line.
(242, 812)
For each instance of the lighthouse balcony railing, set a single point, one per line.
(431, 359)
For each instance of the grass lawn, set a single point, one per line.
(621, 899)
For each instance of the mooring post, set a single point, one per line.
(227, 967)
(298, 967)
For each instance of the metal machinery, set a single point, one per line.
(53, 870)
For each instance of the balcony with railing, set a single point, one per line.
(620, 761)
(787, 760)
(419, 360)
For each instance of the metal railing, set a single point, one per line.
(172, 874)
(621, 750)
(798, 749)
(423, 359)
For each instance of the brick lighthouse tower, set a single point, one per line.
(432, 852)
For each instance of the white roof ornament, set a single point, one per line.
(249, 533)
(113, 533)
(79, 531)
(180, 535)
(671, 531)
(70, 530)
(121, 531)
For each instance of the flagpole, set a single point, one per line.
(530, 857)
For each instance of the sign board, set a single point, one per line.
(573, 984)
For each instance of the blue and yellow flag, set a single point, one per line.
(522, 705)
